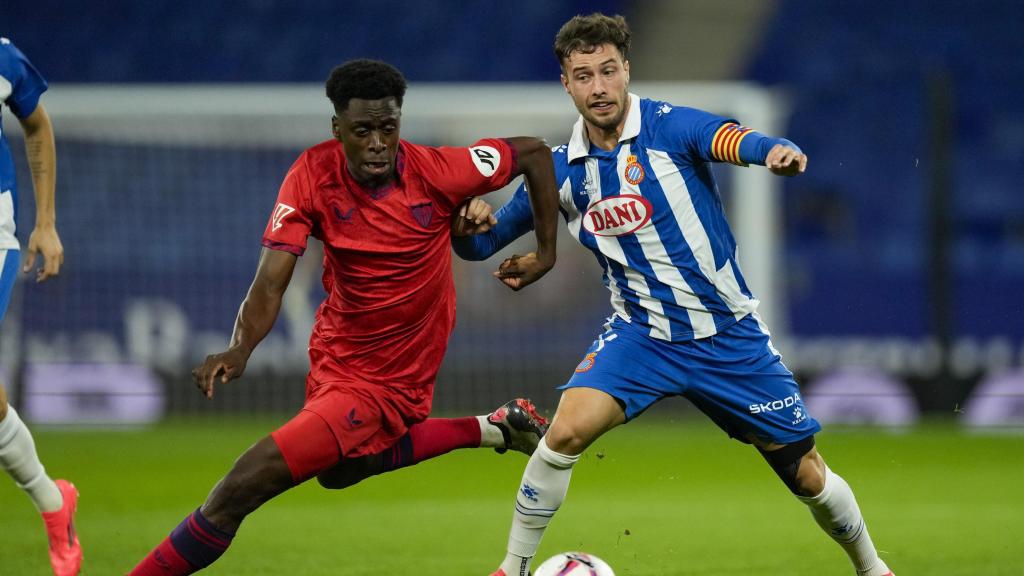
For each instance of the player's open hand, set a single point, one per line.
(225, 366)
(518, 272)
(474, 217)
(785, 161)
(44, 239)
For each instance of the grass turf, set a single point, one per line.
(656, 497)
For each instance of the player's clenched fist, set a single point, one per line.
(474, 217)
(518, 272)
(785, 161)
(226, 365)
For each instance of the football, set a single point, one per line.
(574, 564)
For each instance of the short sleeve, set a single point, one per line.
(290, 221)
(461, 172)
(27, 84)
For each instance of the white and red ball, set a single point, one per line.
(574, 564)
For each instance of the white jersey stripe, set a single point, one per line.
(572, 213)
(8, 240)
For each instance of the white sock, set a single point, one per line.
(18, 458)
(490, 435)
(545, 482)
(836, 511)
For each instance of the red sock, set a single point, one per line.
(436, 436)
(431, 438)
(164, 560)
(195, 539)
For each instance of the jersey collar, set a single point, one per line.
(579, 144)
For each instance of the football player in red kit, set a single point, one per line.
(382, 208)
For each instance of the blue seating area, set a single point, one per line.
(857, 224)
(277, 41)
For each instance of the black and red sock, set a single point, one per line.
(193, 545)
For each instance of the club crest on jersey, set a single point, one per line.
(617, 215)
(587, 363)
(423, 213)
(634, 171)
(280, 213)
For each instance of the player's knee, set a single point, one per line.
(3, 402)
(810, 479)
(568, 438)
(351, 471)
(798, 466)
(333, 481)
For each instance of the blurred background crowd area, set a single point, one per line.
(901, 260)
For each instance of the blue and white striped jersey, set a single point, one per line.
(20, 88)
(651, 213)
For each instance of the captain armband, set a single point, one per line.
(725, 145)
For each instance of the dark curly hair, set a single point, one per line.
(586, 33)
(366, 80)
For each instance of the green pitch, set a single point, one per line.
(655, 497)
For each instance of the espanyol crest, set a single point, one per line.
(634, 172)
(618, 215)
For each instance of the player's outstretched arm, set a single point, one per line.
(42, 162)
(538, 169)
(255, 318)
(723, 140)
(728, 141)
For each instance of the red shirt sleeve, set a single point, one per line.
(290, 221)
(461, 172)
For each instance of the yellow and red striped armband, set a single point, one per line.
(725, 146)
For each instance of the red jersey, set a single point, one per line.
(390, 303)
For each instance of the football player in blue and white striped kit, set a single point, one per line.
(637, 189)
(21, 85)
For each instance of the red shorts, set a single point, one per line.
(347, 419)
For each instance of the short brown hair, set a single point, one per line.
(586, 33)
